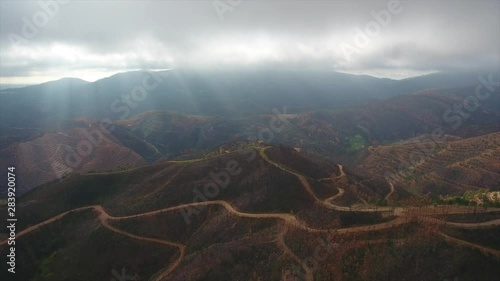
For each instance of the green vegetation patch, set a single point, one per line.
(356, 142)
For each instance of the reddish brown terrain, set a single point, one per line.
(54, 155)
(421, 166)
(274, 220)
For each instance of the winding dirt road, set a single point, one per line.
(288, 219)
(341, 190)
(327, 202)
(390, 192)
(483, 249)
(280, 240)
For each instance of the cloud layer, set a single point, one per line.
(49, 39)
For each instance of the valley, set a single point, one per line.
(232, 140)
(253, 189)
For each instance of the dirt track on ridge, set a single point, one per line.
(288, 219)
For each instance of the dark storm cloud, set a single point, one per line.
(108, 36)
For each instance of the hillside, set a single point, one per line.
(325, 132)
(424, 167)
(255, 212)
(394, 119)
(236, 140)
(161, 134)
(54, 155)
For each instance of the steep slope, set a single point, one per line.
(395, 119)
(160, 134)
(423, 166)
(55, 155)
(330, 133)
(253, 213)
(166, 134)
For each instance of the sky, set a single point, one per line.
(47, 40)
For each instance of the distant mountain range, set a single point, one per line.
(215, 93)
(170, 114)
(247, 174)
